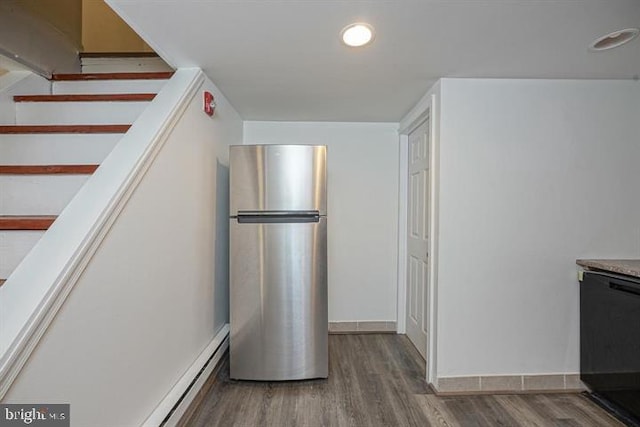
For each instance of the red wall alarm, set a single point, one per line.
(209, 103)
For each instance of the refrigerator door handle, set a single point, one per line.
(277, 213)
(253, 217)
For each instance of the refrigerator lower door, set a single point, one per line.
(278, 291)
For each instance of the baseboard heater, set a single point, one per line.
(175, 404)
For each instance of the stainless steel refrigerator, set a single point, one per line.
(278, 262)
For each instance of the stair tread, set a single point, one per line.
(86, 97)
(157, 75)
(26, 222)
(47, 169)
(64, 128)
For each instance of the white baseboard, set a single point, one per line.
(355, 327)
(171, 409)
(492, 384)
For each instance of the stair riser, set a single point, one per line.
(107, 86)
(77, 113)
(116, 65)
(14, 246)
(38, 194)
(56, 149)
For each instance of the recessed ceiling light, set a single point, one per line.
(356, 35)
(615, 39)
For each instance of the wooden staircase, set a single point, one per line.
(57, 141)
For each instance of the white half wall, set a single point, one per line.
(154, 294)
(362, 210)
(533, 174)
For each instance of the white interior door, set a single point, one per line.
(418, 237)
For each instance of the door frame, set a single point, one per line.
(426, 111)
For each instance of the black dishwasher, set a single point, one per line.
(610, 340)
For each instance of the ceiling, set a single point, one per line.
(283, 60)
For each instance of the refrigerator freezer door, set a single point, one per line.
(278, 178)
(279, 325)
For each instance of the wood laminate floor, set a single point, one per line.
(377, 380)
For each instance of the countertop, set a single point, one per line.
(630, 267)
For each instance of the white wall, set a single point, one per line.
(155, 292)
(362, 210)
(19, 83)
(533, 174)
